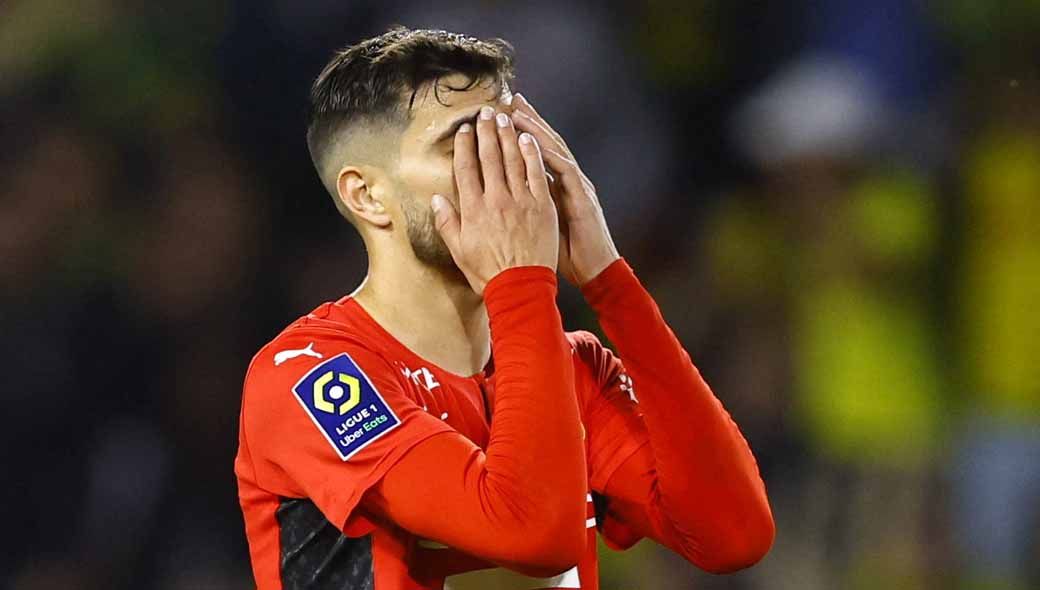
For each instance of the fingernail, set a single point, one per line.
(525, 138)
(465, 128)
(502, 120)
(486, 113)
(437, 203)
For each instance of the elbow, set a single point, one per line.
(550, 550)
(544, 568)
(743, 548)
(563, 554)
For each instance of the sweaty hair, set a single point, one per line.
(375, 82)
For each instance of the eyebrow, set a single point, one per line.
(454, 126)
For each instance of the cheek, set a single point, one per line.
(442, 177)
(429, 175)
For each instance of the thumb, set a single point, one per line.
(447, 220)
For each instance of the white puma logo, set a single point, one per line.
(285, 355)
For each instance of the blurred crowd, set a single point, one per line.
(836, 204)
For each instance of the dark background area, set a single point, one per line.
(836, 204)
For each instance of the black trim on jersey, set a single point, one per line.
(315, 555)
(599, 507)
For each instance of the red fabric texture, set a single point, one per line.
(512, 492)
(521, 503)
(695, 488)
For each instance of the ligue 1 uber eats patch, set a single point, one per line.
(345, 405)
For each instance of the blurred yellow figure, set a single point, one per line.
(997, 469)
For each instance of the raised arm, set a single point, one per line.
(522, 503)
(694, 486)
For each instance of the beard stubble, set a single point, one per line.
(426, 242)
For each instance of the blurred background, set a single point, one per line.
(836, 203)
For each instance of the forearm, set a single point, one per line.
(707, 486)
(536, 441)
(522, 503)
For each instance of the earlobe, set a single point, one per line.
(360, 198)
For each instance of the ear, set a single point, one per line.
(355, 188)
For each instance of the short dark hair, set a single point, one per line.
(367, 82)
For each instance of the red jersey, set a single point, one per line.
(358, 459)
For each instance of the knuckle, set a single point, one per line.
(494, 199)
(503, 199)
(526, 202)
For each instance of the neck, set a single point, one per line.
(432, 311)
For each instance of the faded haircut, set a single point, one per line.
(373, 85)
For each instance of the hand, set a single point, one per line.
(586, 247)
(509, 222)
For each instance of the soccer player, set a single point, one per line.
(437, 428)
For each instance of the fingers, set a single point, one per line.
(570, 175)
(446, 219)
(513, 160)
(558, 162)
(561, 163)
(467, 168)
(536, 180)
(490, 153)
(557, 157)
(526, 109)
(546, 139)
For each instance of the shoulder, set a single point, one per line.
(310, 345)
(314, 374)
(599, 360)
(583, 342)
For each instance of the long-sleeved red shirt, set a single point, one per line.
(361, 465)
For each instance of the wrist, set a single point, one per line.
(518, 284)
(615, 280)
(596, 269)
(596, 251)
(521, 308)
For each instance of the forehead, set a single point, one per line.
(434, 110)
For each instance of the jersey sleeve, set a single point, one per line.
(615, 429)
(520, 504)
(695, 486)
(329, 428)
(614, 425)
